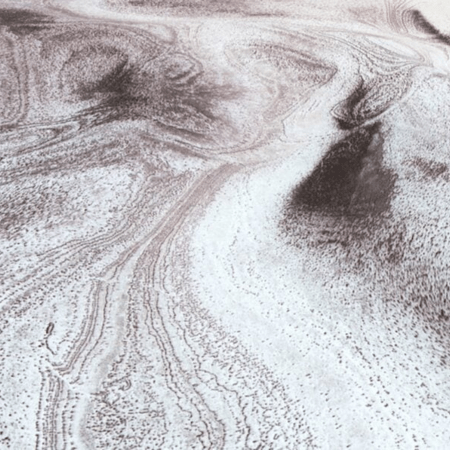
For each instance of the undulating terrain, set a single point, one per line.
(224, 225)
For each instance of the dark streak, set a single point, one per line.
(429, 28)
(50, 328)
(347, 117)
(351, 179)
(371, 97)
(23, 22)
(22, 16)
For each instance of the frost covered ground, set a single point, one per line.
(224, 225)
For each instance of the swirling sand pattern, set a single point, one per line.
(224, 225)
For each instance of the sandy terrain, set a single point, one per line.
(224, 225)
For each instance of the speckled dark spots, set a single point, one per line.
(171, 90)
(431, 170)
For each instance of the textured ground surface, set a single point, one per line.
(224, 225)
